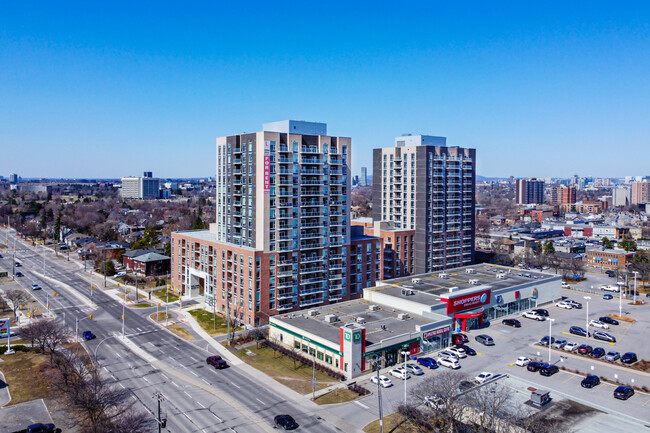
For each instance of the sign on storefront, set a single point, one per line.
(434, 332)
(467, 302)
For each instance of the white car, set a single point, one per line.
(565, 285)
(610, 288)
(571, 347)
(414, 369)
(533, 315)
(449, 363)
(448, 354)
(383, 381)
(522, 361)
(435, 401)
(598, 324)
(400, 373)
(458, 351)
(565, 305)
(482, 377)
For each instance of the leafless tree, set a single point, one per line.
(490, 402)
(17, 298)
(49, 335)
(445, 387)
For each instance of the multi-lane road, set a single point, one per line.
(197, 398)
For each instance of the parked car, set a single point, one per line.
(428, 362)
(286, 422)
(629, 358)
(590, 381)
(607, 319)
(565, 305)
(88, 335)
(484, 339)
(548, 370)
(460, 353)
(19, 274)
(533, 315)
(610, 273)
(607, 296)
(604, 336)
(449, 363)
(18, 264)
(598, 324)
(574, 304)
(42, 428)
(382, 380)
(448, 354)
(623, 392)
(400, 373)
(541, 312)
(585, 349)
(612, 356)
(571, 347)
(414, 369)
(534, 366)
(435, 402)
(598, 352)
(120, 274)
(559, 344)
(576, 330)
(522, 361)
(512, 322)
(468, 350)
(459, 338)
(545, 339)
(36, 287)
(464, 385)
(565, 285)
(484, 376)
(610, 288)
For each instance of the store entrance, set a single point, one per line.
(469, 320)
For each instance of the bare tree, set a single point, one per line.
(445, 388)
(49, 335)
(17, 298)
(490, 402)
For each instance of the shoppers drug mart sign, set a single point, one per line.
(468, 302)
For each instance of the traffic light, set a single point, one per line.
(122, 317)
(159, 305)
(55, 294)
(90, 317)
(92, 287)
(118, 284)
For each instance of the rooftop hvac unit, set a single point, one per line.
(443, 275)
(313, 313)
(470, 271)
(403, 316)
(416, 280)
(331, 318)
(407, 292)
(361, 320)
(453, 289)
(502, 276)
(474, 282)
(373, 307)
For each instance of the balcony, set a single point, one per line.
(284, 307)
(285, 203)
(311, 245)
(311, 235)
(311, 160)
(311, 192)
(285, 295)
(310, 149)
(312, 269)
(311, 202)
(312, 258)
(284, 160)
(310, 214)
(282, 215)
(307, 302)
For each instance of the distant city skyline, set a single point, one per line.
(100, 91)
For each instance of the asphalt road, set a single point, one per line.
(197, 398)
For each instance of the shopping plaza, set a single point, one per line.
(414, 314)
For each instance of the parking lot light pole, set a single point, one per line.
(620, 301)
(635, 272)
(405, 354)
(587, 298)
(550, 325)
(377, 365)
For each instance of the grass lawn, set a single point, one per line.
(390, 425)
(339, 395)
(282, 369)
(621, 318)
(24, 373)
(180, 331)
(162, 295)
(141, 305)
(206, 320)
(160, 316)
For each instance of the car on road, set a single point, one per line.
(484, 339)
(545, 339)
(220, 364)
(565, 285)
(590, 381)
(468, 350)
(88, 335)
(533, 315)
(428, 362)
(484, 376)
(607, 296)
(512, 322)
(286, 422)
(609, 320)
(610, 288)
(612, 356)
(598, 352)
(18, 264)
(604, 336)
(548, 370)
(213, 360)
(414, 369)
(565, 305)
(435, 402)
(576, 330)
(571, 347)
(629, 358)
(36, 287)
(42, 428)
(534, 366)
(384, 381)
(460, 353)
(559, 344)
(400, 373)
(449, 363)
(541, 312)
(610, 273)
(459, 338)
(120, 274)
(623, 392)
(19, 274)
(522, 361)
(585, 349)
(598, 324)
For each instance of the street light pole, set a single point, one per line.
(620, 301)
(635, 272)
(313, 377)
(587, 298)
(550, 327)
(381, 414)
(123, 311)
(405, 354)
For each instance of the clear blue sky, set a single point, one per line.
(109, 89)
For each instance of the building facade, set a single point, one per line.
(363, 180)
(621, 196)
(639, 192)
(424, 186)
(563, 195)
(529, 191)
(142, 188)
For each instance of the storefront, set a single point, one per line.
(467, 308)
(391, 355)
(469, 320)
(505, 305)
(436, 339)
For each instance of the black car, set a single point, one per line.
(213, 360)
(548, 370)
(544, 340)
(608, 320)
(598, 352)
(623, 392)
(534, 366)
(579, 331)
(428, 362)
(464, 385)
(42, 428)
(611, 273)
(468, 350)
(19, 274)
(541, 312)
(590, 381)
(512, 322)
(286, 422)
(629, 358)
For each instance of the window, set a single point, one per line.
(296, 344)
(328, 359)
(319, 355)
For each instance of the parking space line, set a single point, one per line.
(569, 378)
(646, 402)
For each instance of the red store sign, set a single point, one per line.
(435, 332)
(467, 302)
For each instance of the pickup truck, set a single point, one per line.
(610, 288)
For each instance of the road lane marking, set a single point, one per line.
(200, 404)
(164, 375)
(361, 404)
(206, 381)
(187, 416)
(187, 394)
(145, 379)
(121, 385)
(260, 401)
(174, 383)
(235, 385)
(194, 373)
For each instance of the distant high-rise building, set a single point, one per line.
(640, 192)
(363, 181)
(530, 191)
(146, 187)
(13, 178)
(621, 196)
(422, 185)
(147, 174)
(563, 195)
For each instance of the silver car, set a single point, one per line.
(559, 344)
(612, 356)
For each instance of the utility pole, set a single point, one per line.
(381, 415)
(161, 422)
(313, 377)
(228, 320)
(123, 311)
(167, 305)
(105, 268)
(137, 298)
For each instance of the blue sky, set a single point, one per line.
(111, 89)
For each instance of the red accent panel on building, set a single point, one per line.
(468, 302)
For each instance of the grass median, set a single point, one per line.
(25, 375)
(162, 295)
(207, 322)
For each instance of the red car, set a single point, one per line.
(216, 361)
(459, 338)
(585, 349)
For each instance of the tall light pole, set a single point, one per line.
(635, 272)
(405, 354)
(550, 327)
(313, 377)
(123, 311)
(381, 414)
(587, 298)
(620, 300)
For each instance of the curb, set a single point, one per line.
(8, 393)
